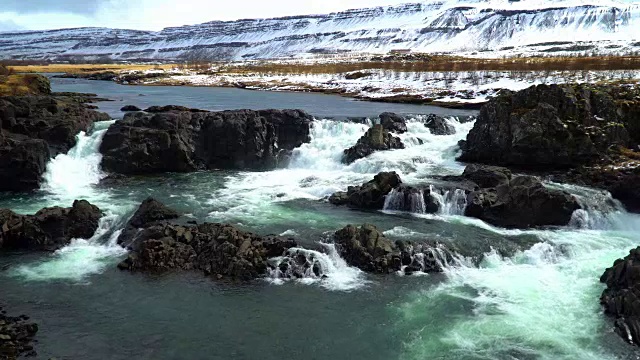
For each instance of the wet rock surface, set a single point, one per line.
(621, 298)
(16, 336)
(219, 250)
(35, 128)
(183, 141)
(368, 249)
(438, 125)
(393, 123)
(370, 195)
(48, 229)
(377, 138)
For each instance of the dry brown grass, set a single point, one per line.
(448, 64)
(86, 68)
(24, 84)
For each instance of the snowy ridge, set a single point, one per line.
(553, 27)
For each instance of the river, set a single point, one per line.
(541, 302)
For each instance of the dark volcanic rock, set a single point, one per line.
(150, 212)
(16, 336)
(367, 248)
(553, 126)
(130, 108)
(393, 122)
(518, 202)
(32, 130)
(49, 228)
(22, 162)
(183, 141)
(167, 108)
(375, 139)
(621, 181)
(216, 249)
(439, 126)
(370, 195)
(621, 298)
(57, 120)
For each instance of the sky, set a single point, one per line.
(157, 14)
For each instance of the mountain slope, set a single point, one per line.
(452, 26)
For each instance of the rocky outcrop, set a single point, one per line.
(377, 138)
(184, 141)
(370, 195)
(393, 123)
(493, 194)
(130, 108)
(49, 228)
(167, 108)
(16, 336)
(554, 126)
(151, 212)
(366, 248)
(621, 179)
(32, 130)
(621, 298)
(218, 250)
(516, 201)
(437, 125)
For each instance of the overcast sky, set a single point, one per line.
(157, 14)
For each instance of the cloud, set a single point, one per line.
(9, 25)
(158, 14)
(86, 7)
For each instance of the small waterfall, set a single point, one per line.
(71, 176)
(406, 199)
(81, 258)
(452, 201)
(426, 258)
(599, 211)
(329, 138)
(310, 266)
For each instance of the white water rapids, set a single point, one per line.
(541, 303)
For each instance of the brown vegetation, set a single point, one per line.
(448, 64)
(86, 68)
(22, 84)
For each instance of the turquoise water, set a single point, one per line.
(534, 296)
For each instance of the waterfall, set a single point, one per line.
(452, 201)
(72, 176)
(406, 199)
(309, 266)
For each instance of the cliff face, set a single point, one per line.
(454, 26)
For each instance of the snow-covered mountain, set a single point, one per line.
(495, 27)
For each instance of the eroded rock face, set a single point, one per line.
(375, 139)
(35, 128)
(621, 298)
(553, 126)
(370, 195)
(366, 248)
(223, 251)
(184, 141)
(49, 228)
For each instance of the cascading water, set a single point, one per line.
(452, 201)
(72, 176)
(540, 303)
(69, 177)
(310, 266)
